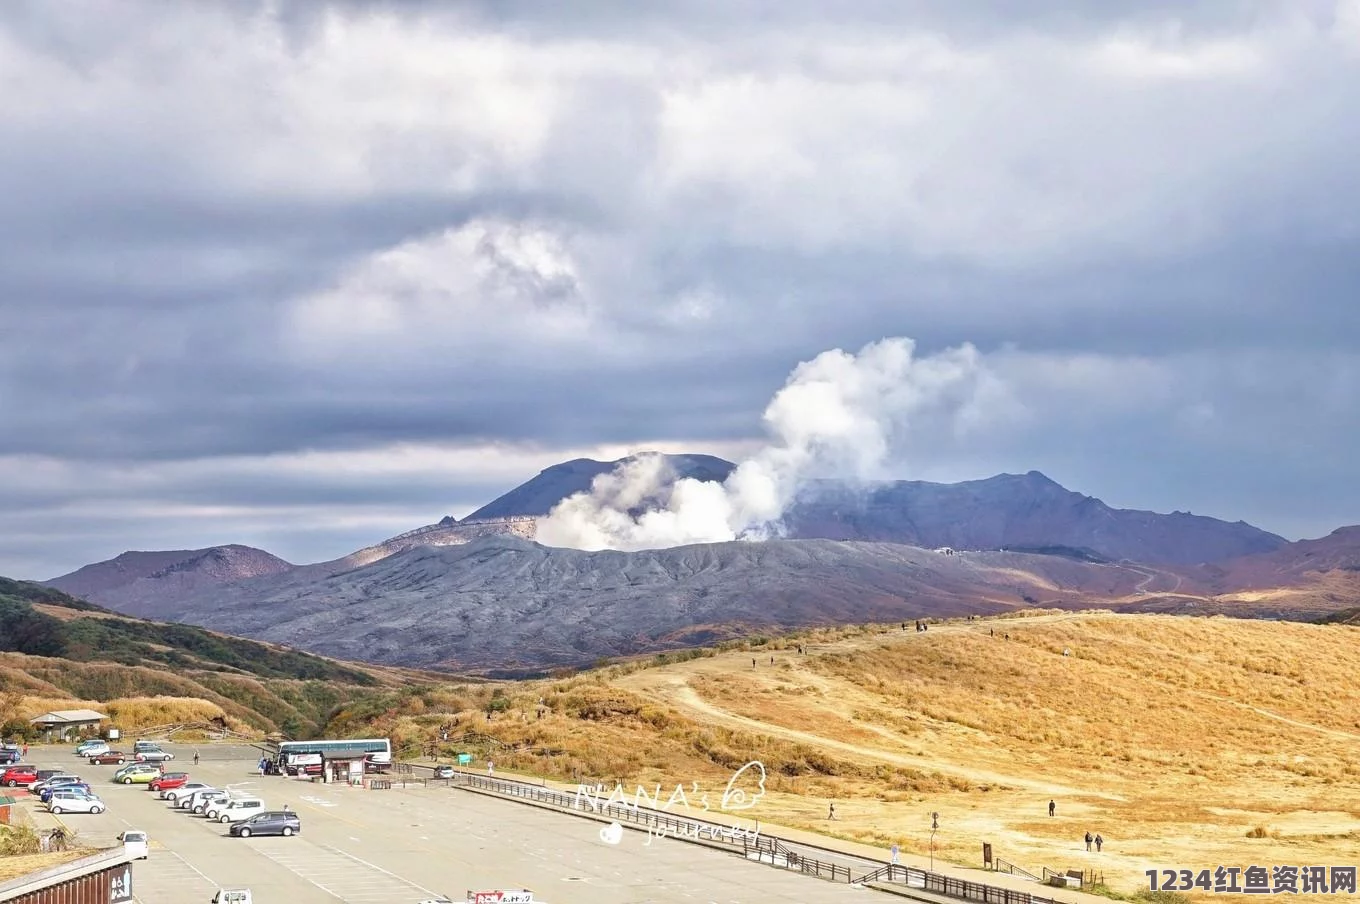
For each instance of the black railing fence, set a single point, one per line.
(753, 844)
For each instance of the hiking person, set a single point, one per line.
(1052, 807)
(1088, 841)
(753, 662)
(1099, 842)
(831, 812)
(195, 757)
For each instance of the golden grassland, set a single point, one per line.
(1185, 742)
(137, 697)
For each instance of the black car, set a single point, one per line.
(270, 822)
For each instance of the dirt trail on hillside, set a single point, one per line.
(672, 686)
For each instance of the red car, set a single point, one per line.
(113, 756)
(19, 775)
(167, 781)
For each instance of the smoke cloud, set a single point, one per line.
(839, 415)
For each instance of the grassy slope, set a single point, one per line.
(1173, 737)
(57, 651)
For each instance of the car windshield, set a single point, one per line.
(134, 836)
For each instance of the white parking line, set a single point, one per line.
(343, 875)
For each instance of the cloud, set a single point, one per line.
(260, 230)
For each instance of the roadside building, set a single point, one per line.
(61, 724)
(102, 878)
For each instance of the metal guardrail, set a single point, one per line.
(1005, 866)
(764, 848)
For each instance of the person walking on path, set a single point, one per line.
(1099, 842)
(1088, 841)
(1052, 808)
(831, 813)
(195, 757)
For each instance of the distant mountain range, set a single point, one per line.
(478, 594)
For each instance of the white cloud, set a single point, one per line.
(455, 291)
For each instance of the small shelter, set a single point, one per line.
(62, 723)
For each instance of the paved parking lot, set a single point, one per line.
(401, 846)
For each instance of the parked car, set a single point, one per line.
(18, 775)
(183, 792)
(167, 780)
(90, 748)
(61, 778)
(9, 756)
(270, 822)
(135, 842)
(201, 800)
(153, 756)
(45, 774)
(136, 773)
(108, 757)
(235, 809)
(46, 793)
(71, 802)
(443, 772)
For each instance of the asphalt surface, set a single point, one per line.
(401, 846)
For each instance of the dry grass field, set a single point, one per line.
(1184, 742)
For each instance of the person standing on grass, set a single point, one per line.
(1052, 808)
(1099, 842)
(1088, 841)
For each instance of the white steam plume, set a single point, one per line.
(838, 415)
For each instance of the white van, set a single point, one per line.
(135, 843)
(235, 809)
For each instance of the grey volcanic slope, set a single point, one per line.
(537, 496)
(1025, 511)
(129, 575)
(507, 603)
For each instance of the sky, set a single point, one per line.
(306, 275)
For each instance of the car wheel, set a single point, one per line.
(121, 761)
(96, 810)
(224, 819)
(56, 811)
(11, 783)
(287, 830)
(244, 833)
(127, 781)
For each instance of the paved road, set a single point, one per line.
(400, 846)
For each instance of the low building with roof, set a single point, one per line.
(62, 723)
(104, 877)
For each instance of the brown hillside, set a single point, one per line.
(1176, 738)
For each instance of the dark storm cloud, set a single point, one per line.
(240, 232)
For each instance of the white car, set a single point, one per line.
(199, 801)
(184, 791)
(135, 842)
(235, 809)
(92, 748)
(70, 802)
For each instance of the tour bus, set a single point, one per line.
(296, 756)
